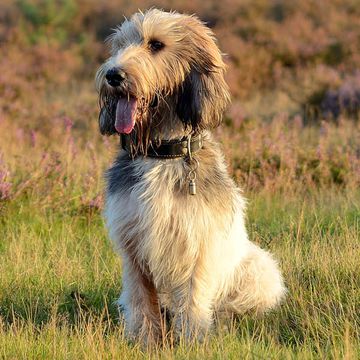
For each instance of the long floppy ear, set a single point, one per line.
(204, 94)
(106, 121)
(202, 99)
(107, 104)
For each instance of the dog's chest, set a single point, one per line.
(148, 217)
(152, 218)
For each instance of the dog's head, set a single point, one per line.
(164, 67)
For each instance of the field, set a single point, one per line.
(292, 142)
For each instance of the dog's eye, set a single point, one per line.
(155, 45)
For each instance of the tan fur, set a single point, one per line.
(189, 254)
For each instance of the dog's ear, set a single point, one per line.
(204, 94)
(202, 99)
(106, 103)
(106, 121)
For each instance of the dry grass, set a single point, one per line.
(59, 278)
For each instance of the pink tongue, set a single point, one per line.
(125, 115)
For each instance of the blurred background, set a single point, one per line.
(293, 70)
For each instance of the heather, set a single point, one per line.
(291, 139)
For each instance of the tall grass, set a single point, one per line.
(59, 276)
(59, 279)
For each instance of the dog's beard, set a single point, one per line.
(129, 114)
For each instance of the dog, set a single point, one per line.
(172, 211)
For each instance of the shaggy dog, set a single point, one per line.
(172, 210)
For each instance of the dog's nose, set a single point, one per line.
(115, 77)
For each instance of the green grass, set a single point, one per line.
(59, 278)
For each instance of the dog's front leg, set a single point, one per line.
(139, 303)
(197, 303)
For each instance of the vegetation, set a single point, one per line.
(292, 140)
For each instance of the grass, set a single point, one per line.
(59, 278)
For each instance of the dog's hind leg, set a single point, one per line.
(258, 284)
(139, 303)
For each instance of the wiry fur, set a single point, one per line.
(189, 254)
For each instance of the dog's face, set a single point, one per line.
(164, 67)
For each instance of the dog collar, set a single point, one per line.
(168, 149)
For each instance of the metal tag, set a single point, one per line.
(192, 187)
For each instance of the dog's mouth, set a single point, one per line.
(128, 110)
